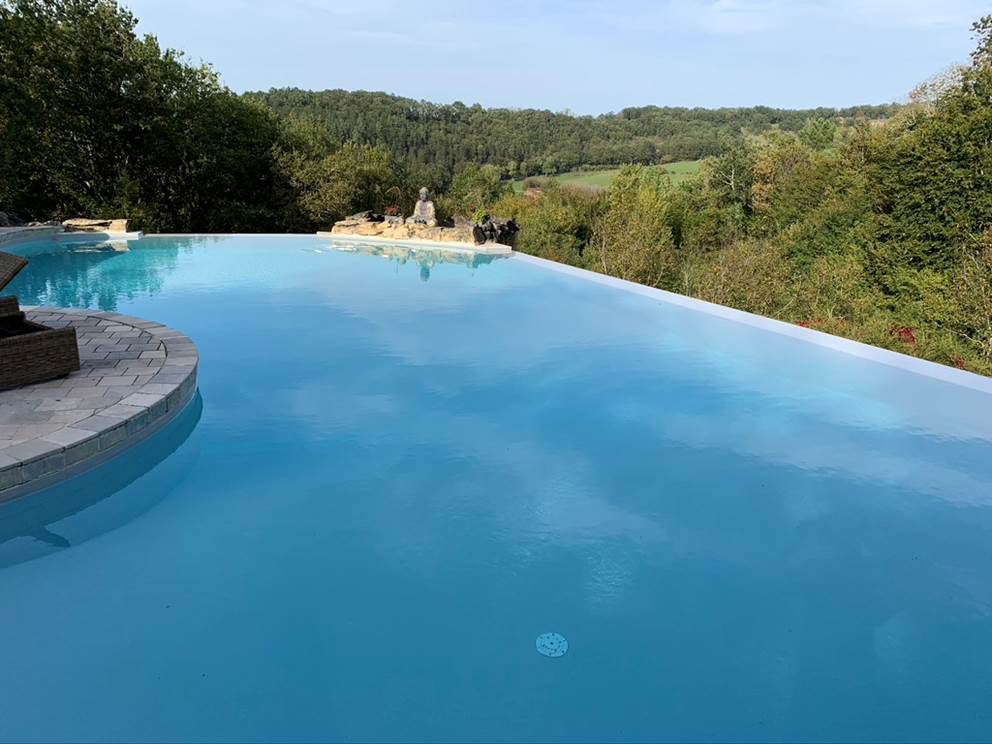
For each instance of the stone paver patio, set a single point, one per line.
(135, 375)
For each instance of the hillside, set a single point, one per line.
(531, 141)
(602, 178)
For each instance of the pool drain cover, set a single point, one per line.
(551, 644)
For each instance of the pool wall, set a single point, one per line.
(13, 236)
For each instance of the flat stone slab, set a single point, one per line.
(135, 376)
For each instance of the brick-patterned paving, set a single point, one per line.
(132, 373)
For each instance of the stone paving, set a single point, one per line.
(133, 373)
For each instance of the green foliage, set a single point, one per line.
(834, 292)
(982, 30)
(932, 176)
(972, 292)
(349, 180)
(750, 275)
(95, 121)
(433, 177)
(556, 226)
(631, 237)
(838, 221)
(539, 142)
(444, 209)
(307, 138)
(818, 134)
(785, 182)
(476, 186)
(730, 177)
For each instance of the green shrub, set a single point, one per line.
(750, 275)
(556, 226)
(476, 186)
(631, 238)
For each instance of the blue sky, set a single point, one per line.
(587, 56)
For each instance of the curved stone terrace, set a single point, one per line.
(135, 376)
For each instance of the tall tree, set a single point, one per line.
(95, 120)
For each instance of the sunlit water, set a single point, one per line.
(401, 473)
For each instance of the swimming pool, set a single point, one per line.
(403, 470)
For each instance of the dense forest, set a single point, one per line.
(528, 142)
(873, 223)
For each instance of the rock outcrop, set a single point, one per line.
(79, 224)
(377, 226)
(494, 230)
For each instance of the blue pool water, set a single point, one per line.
(400, 473)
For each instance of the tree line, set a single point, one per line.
(526, 142)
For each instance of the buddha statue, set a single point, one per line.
(423, 212)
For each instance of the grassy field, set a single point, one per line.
(601, 179)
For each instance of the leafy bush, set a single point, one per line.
(95, 121)
(834, 288)
(351, 179)
(972, 290)
(476, 186)
(818, 134)
(631, 238)
(557, 226)
(750, 275)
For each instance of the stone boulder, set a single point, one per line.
(367, 216)
(492, 230)
(79, 224)
(397, 229)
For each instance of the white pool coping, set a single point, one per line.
(88, 237)
(13, 236)
(837, 343)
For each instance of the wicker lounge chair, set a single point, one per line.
(9, 266)
(30, 352)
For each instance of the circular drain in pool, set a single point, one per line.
(551, 644)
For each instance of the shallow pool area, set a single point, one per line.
(408, 477)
